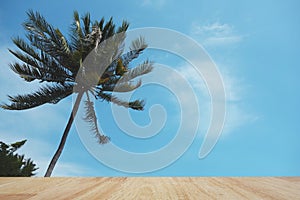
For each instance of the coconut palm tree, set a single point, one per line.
(57, 62)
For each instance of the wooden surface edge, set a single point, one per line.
(151, 188)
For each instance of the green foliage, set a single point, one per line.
(12, 164)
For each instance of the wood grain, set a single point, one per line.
(151, 188)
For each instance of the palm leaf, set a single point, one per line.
(46, 38)
(21, 44)
(77, 34)
(122, 87)
(33, 56)
(46, 94)
(138, 44)
(108, 30)
(136, 105)
(91, 118)
(86, 22)
(26, 72)
(47, 70)
(124, 27)
(136, 48)
(144, 68)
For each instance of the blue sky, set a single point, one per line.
(255, 46)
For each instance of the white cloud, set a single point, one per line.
(215, 34)
(218, 34)
(215, 28)
(235, 88)
(237, 117)
(157, 4)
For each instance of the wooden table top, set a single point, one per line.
(151, 188)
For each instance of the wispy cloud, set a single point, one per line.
(235, 88)
(215, 34)
(156, 4)
(237, 116)
(216, 28)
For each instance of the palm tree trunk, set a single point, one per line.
(64, 137)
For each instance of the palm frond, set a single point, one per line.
(136, 105)
(122, 87)
(64, 45)
(21, 44)
(33, 70)
(86, 19)
(41, 60)
(108, 29)
(77, 34)
(136, 48)
(144, 68)
(138, 44)
(91, 118)
(100, 23)
(46, 94)
(46, 38)
(26, 72)
(123, 27)
(127, 87)
(15, 146)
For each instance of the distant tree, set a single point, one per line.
(13, 164)
(50, 57)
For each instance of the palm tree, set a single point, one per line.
(57, 62)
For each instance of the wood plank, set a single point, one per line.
(151, 188)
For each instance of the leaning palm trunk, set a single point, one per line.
(64, 137)
(48, 56)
